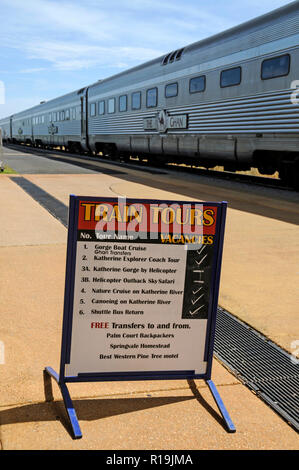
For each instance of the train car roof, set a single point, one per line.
(233, 33)
(38, 108)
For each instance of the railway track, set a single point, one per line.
(144, 165)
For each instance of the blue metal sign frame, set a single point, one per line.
(62, 380)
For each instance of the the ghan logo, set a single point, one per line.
(52, 129)
(163, 121)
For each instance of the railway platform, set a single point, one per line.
(258, 285)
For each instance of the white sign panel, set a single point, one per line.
(141, 287)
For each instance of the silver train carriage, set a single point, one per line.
(56, 123)
(227, 100)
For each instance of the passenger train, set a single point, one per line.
(227, 100)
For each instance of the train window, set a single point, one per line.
(43, 119)
(67, 115)
(50, 117)
(54, 117)
(62, 115)
(197, 84)
(74, 113)
(111, 105)
(171, 90)
(172, 56)
(179, 54)
(101, 107)
(276, 67)
(230, 77)
(136, 100)
(123, 103)
(93, 109)
(151, 97)
(165, 60)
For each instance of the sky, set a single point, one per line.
(52, 47)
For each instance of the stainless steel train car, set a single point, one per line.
(58, 122)
(227, 100)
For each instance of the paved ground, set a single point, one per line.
(25, 163)
(258, 284)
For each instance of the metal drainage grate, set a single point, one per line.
(259, 364)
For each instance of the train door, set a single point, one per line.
(52, 131)
(31, 130)
(84, 136)
(10, 127)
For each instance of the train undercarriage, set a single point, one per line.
(286, 164)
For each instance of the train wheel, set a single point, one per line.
(124, 157)
(157, 160)
(289, 173)
(296, 175)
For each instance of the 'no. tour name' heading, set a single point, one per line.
(154, 217)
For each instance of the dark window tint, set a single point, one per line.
(136, 100)
(231, 77)
(172, 56)
(102, 107)
(151, 97)
(165, 60)
(197, 84)
(179, 54)
(123, 103)
(277, 67)
(67, 115)
(171, 90)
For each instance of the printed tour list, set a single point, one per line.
(141, 303)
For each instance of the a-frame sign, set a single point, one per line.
(141, 293)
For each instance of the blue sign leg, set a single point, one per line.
(229, 424)
(70, 411)
(67, 402)
(52, 373)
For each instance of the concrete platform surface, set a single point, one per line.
(26, 163)
(150, 415)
